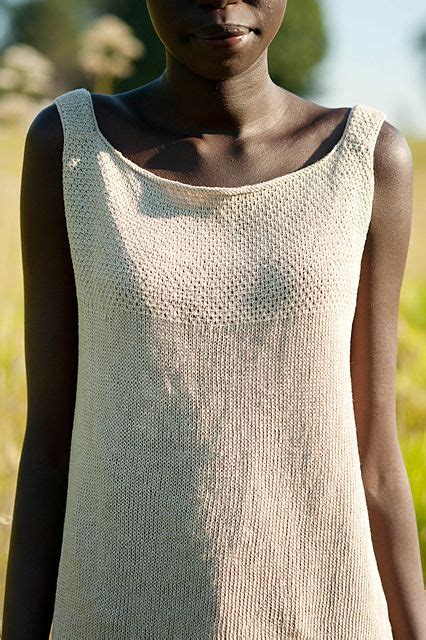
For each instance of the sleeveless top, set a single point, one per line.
(215, 487)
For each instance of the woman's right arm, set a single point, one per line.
(51, 356)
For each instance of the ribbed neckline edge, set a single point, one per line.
(219, 190)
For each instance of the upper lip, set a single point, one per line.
(221, 30)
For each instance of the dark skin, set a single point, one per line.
(223, 137)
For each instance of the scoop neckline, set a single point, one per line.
(219, 190)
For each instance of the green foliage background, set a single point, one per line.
(297, 49)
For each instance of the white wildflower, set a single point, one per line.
(25, 69)
(108, 48)
(5, 519)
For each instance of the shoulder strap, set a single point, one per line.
(363, 129)
(76, 114)
(356, 166)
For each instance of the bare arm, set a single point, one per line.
(373, 370)
(51, 340)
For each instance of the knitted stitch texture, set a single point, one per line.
(215, 487)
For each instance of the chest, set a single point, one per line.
(293, 246)
(216, 160)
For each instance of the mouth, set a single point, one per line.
(222, 31)
(224, 36)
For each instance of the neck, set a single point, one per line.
(240, 105)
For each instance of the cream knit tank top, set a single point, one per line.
(215, 489)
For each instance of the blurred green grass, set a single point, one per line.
(411, 374)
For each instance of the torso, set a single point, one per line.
(306, 133)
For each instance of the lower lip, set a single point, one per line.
(226, 43)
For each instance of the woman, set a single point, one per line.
(212, 265)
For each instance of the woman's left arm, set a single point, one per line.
(373, 371)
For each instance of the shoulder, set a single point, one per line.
(41, 179)
(44, 137)
(324, 120)
(42, 159)
(393, 183)
(391, 216)
(393, 161)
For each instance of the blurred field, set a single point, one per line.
(411, 379)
